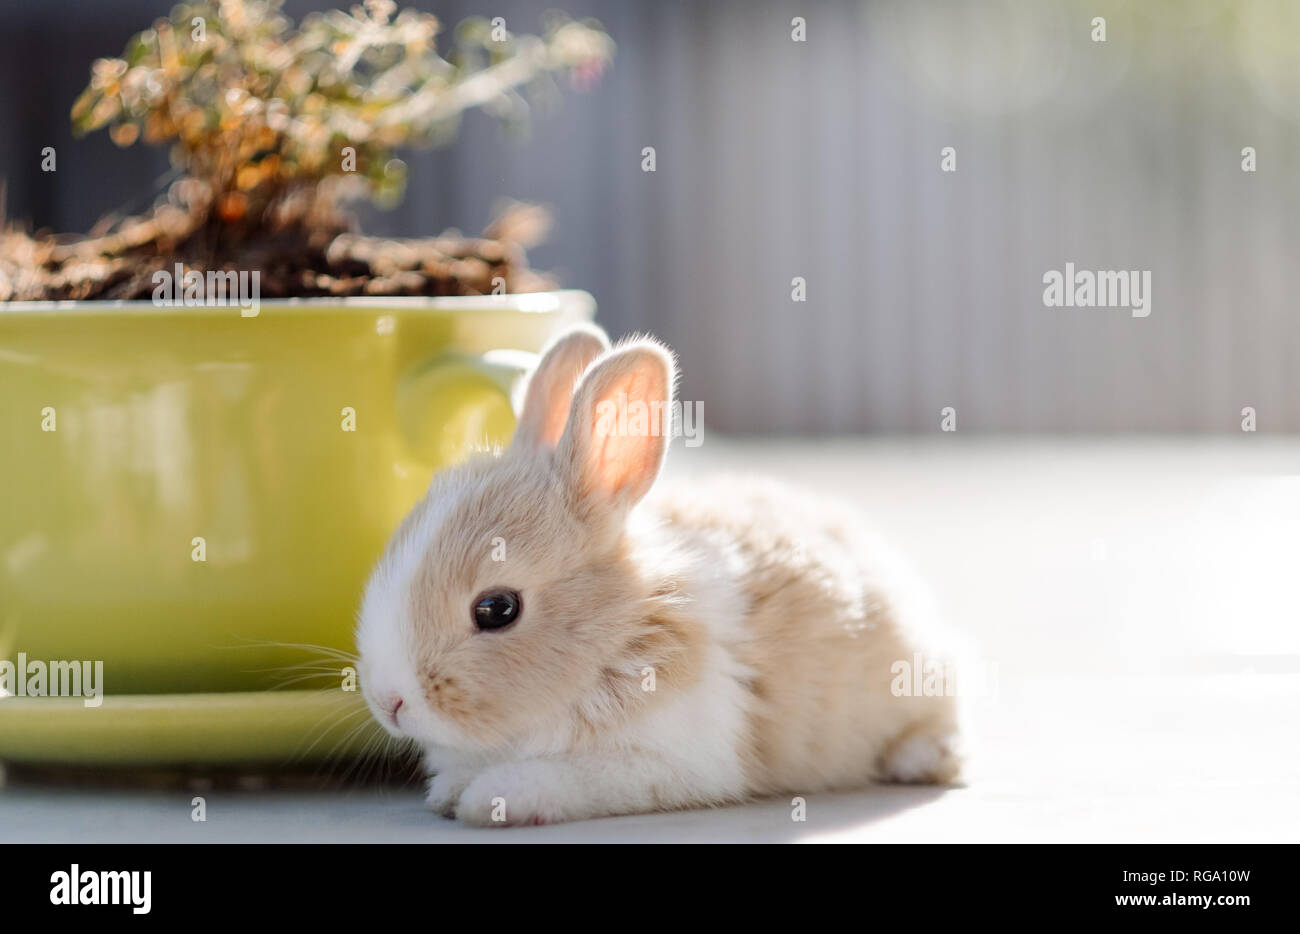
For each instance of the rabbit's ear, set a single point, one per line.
(620, 426)
(550, 390)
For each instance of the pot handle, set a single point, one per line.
(456, 401)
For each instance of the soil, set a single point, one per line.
(313, 259)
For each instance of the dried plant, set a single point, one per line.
(269, 120)
(273, 127)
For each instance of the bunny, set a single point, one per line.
(562, 644)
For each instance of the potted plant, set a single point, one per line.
(217, 411)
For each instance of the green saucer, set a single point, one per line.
(271, 729)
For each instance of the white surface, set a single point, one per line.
(1133, 603)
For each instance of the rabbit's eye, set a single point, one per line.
(497, 609)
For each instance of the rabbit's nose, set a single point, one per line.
(392, 707)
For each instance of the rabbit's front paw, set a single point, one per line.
(516, 794)
(445, 790)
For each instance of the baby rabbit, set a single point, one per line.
(563, 646)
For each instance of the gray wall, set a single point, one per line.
(778, 159)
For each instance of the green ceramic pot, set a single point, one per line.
(187, 494)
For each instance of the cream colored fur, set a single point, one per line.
(691, 647)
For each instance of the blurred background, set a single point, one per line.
(821, 159)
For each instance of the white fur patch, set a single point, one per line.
(384, 628)
(703, 728)
(920, 758)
